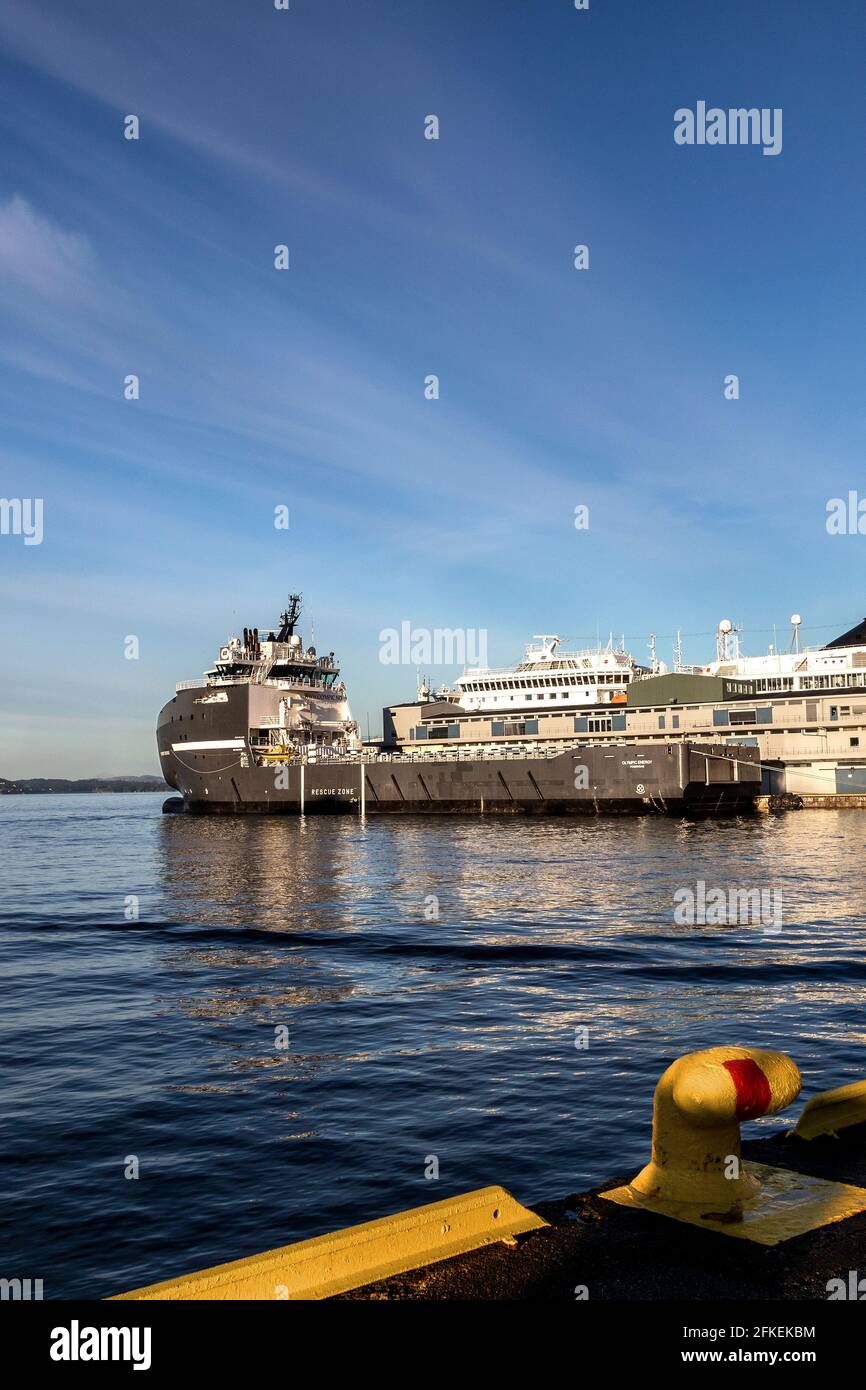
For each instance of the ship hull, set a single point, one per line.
(206, 755)
(630, 779)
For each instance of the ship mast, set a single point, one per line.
(289, 617)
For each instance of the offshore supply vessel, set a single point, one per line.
(268, 729)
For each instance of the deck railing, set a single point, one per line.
(448, 755)
(334, 692)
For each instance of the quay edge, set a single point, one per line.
(800, 1238)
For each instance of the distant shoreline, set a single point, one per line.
(23, 786)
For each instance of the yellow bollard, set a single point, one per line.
(696, 1173)
(699, 1103)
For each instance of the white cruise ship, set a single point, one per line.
(546, 679)
(803, 709)
(839, 665)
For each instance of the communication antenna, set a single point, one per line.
(289, 617)
(723, 632)
(795, 632)
(678, 651)
(653, 657)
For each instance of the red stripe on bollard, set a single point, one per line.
(753, 1088)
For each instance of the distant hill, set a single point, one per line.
(81, 784)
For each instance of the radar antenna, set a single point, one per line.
(289, 617)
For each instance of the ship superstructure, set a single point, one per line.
(839, 665)
(548, 677)
(270, 695)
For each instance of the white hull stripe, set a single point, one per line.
(207, 744)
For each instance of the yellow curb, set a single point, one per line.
(348, 1259)
(833, 1110)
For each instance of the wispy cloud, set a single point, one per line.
(408, 257)
(41, 257)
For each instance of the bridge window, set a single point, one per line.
(513, 728)
(743, 716)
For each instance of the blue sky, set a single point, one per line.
(408, 257)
